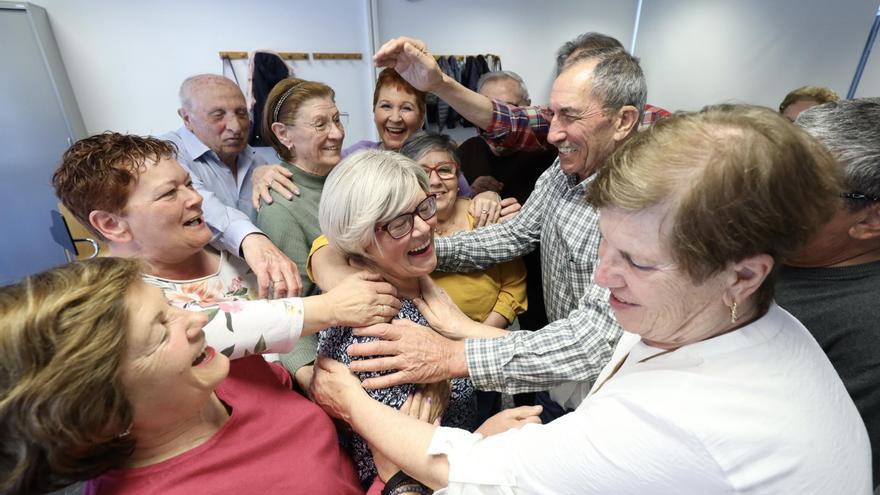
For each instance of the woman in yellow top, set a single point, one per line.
(494, 296)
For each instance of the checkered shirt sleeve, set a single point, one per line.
(517, 128)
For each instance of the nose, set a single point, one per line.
(193, 199)
(556, 134)
(396, 116)
(196, 321)
(423, 227)
(337, 130)
(605, 269)
(433, 177)
(234, 123)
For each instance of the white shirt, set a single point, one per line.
(757, 410)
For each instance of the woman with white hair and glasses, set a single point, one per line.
(377, 209)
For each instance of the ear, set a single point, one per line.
(868, 226)
(746, 277)
(111, 225)
(282, 132)
(625, 122)
(184, 116)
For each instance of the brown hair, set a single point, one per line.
(390, 77)
(739, 181)
(291, 93)
(97, 172)
(819, 94)
(63, 408)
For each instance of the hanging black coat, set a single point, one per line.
(268, 70)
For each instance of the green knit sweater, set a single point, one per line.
(293, 225)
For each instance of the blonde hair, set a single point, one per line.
(817, 93)
(62, 404)
(739, 181)
(367, 188)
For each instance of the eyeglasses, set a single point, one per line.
(857, 196)
(322, 126)
(401, 225)
(445, 170)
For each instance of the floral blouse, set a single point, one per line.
(239, 324)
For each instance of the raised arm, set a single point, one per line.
(411, 59)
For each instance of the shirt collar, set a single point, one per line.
(194, 147)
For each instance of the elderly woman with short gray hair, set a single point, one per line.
(376, 208)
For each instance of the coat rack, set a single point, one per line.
(298, 55)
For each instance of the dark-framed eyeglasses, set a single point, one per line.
(445, 170)
(402, 224)
(857, 196)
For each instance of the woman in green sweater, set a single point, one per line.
(306, 130)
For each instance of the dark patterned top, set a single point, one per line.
(460, 413)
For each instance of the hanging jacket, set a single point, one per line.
(267, 69)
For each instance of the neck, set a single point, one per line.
(847, 257)
(321, 170)
(230, 161)
(199, 264)
(162, 442)
(747, 314)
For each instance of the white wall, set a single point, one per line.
(870, 82)
(754, 51)
(126, 60)
(524, 33)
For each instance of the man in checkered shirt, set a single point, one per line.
(596, 104)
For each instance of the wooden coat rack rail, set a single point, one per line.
(462, 57)
(299, 55)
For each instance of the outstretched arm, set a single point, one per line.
(411, 59)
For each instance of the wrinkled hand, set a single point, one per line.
(363, 299)
(442, 313)
(335, 388)
(486, 183)
(271, 267)
(485, 208)
(275, 177)
(416, 353)
(510, 418)
(410, 58)
(417, 406)
(509, 208)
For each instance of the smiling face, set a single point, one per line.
(317, 135)
(446, 189)
(650, 295)
(580, 130)
(163, 216)
(403, 260)
(168, 372)
(217, 114)
(396, 115)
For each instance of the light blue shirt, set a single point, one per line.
(226, 198)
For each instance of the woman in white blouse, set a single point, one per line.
(713, 388)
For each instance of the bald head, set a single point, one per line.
(213, 108)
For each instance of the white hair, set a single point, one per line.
(367, 188)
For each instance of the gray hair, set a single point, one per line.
(618, 80)
(504, 74)
(367, 188)
(850, 130)
(192, 82)
(592, 43)
(424, 142)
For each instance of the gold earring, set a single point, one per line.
(733, 316)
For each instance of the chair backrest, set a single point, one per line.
(62, 236)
